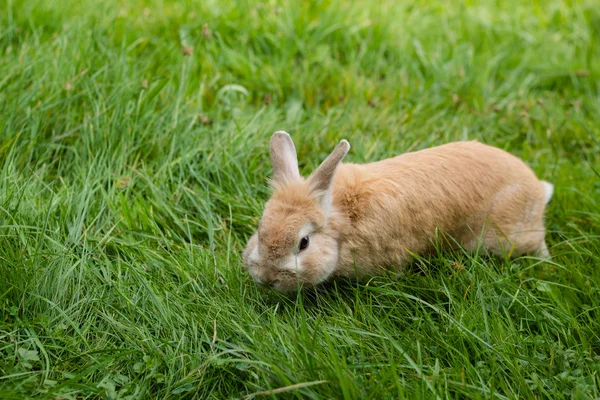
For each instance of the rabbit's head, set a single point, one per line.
(295, 243)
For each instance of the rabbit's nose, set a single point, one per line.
(270, 282)
(262, 281)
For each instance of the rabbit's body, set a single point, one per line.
(350, 219)
(468, 190)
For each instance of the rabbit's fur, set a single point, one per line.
(360, 219)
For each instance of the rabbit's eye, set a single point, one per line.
(303, 243)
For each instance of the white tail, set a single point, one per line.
(548, 190)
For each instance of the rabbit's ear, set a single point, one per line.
(321, 179)
(283, 158)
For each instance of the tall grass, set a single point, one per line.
(133, 159)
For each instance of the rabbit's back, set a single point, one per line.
(398, 205)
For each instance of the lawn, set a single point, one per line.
(134, 163)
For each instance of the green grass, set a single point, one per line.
(131, 176)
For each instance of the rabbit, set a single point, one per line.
(357, 220)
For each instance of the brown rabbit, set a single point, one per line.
(349, 220)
